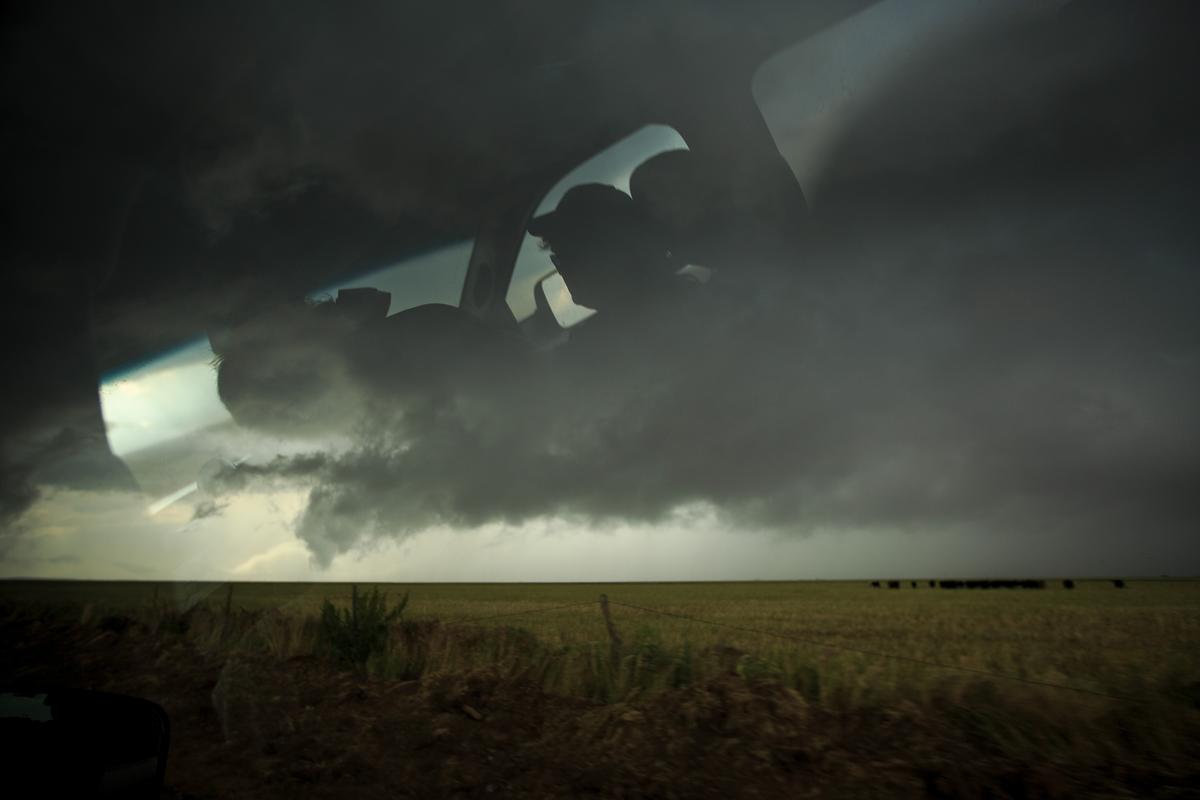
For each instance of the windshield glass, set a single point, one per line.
(164, 417)
(529, 399)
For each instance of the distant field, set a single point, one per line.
(1096, 637)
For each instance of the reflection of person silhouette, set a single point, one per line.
(610, 255)
(710, 224)
(688, 204)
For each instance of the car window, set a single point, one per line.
(435, 276)
(170, 402)
(611, 166)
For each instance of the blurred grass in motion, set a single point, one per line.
(1142, 642)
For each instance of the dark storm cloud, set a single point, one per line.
(165, 165)
(206, 509)
(17, 494)
(992, 329)
(57, 445)
(891, 412)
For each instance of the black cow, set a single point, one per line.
(1120, 584)
(1068, 584)
(893, 584)
(874, 584)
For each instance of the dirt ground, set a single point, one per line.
(247, 726)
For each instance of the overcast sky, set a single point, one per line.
(983, 358)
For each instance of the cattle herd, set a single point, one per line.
(989, 584)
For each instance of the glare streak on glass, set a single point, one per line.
(159, 505)
(810, 92)
(436, 276)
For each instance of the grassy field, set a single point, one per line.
(939, 663)
(1142, 640)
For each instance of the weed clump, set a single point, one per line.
(350, 636)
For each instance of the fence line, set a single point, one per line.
(520, 613)
(877, 654)
(812, 643)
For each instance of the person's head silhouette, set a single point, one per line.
(607, 251)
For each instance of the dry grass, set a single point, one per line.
(1095, 637)
(1142, 643)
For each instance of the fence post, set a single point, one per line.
(228, 611)
(614, 638)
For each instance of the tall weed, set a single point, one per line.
(351, 636)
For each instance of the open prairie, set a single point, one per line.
(834, 687)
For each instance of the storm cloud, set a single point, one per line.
(989, 325)
(992, 328)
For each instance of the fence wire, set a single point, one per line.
(878, 654)
(520, 613)
(812, 643)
